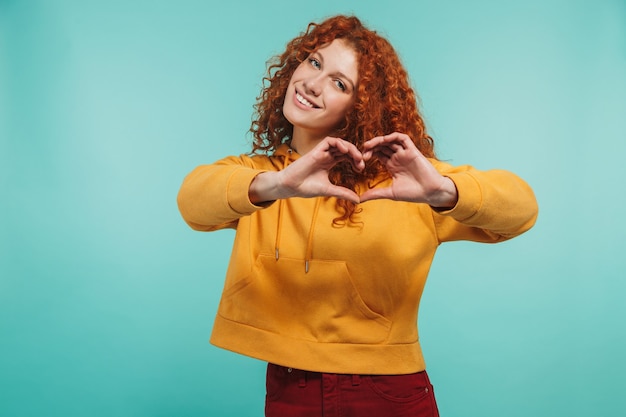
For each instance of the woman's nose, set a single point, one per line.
(312, 85)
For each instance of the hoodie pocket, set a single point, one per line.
(322, 305)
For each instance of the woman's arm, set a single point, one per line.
(215, 196)
(471, 204)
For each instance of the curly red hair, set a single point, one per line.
(384, 100)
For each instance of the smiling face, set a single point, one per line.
(321, 91)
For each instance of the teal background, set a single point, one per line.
(106, 296)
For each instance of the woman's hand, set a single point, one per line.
(308, 175)
(414, 178)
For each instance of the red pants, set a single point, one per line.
(296, 393)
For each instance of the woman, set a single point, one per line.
(339, 210)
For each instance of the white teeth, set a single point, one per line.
(303, 100)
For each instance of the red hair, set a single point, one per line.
(384, 100)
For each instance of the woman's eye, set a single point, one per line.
(341, 85)
(314, 62)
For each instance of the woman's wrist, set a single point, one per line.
(266, 187)
(445, 197)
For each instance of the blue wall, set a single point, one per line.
(107, 298)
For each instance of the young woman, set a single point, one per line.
(338, 210)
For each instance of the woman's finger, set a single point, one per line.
(344, 150)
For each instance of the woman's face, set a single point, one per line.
(322, 90)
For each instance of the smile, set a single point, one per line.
(304, 101)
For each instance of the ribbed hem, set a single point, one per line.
(340, 358)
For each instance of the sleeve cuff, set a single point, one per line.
(470, 197)
(237, 191)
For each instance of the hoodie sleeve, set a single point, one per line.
(493, 205)
(215, 196)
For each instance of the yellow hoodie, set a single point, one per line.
(302, 293)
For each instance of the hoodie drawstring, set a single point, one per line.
(279, 226)
(309, 243)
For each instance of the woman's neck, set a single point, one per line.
(303, 141)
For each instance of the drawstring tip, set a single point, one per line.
(306, 266)
(276, 253)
